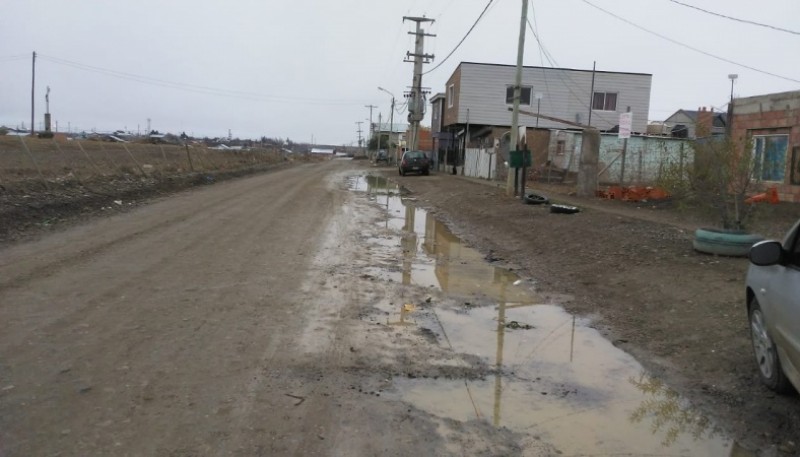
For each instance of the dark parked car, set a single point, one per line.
(773, 307)
(382, 156)
(414, 162)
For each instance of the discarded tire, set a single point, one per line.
(733, 243)
(563, 209)
(534, 199)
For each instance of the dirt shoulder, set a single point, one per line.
(632, 268)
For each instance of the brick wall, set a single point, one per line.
(772, 115)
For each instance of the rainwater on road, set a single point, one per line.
(554, 377)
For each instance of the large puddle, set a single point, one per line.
(555, 378)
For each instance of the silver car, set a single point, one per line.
(773, 305)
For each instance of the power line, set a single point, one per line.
(192, 87)
(462, 40)
(723, 59)
(16, 57)
(554, 63)
(745, 21)
(541, 53)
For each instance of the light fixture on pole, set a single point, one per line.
(729, 120)
(732, 77)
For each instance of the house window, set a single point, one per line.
(451, 94)
(769, 153)
(604, 101)
(524, 95)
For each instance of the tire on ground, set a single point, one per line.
(535, 199)
(724, 242)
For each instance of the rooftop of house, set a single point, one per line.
(396, 127)
(720, 118)
(554, 68)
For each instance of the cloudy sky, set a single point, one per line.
(306, 68)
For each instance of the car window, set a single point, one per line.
(415, 155)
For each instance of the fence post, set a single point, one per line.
(110, 159)
(38, 170)
(86, 154)
(189, 156)
(125, 146)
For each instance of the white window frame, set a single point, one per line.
(605, 100)
(451, 94)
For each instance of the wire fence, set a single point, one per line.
(34, 164)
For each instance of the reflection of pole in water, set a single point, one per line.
(498, 378)
(408, 242)
(572, 340)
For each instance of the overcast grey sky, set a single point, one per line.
(307, 67)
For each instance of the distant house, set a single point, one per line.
(323, 151)
(772, 123)
(683, 123)
(396, 131)
(15, 132)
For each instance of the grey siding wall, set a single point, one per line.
(566, 95)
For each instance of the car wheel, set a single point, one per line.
(769, 365)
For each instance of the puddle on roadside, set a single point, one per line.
(555, 378)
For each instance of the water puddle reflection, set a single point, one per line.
(554, 377)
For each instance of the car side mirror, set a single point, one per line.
(766, 253)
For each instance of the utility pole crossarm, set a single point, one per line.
(416, 104)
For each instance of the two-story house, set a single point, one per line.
(478, 96)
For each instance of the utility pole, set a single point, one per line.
(591, 95)
(391, 130)
(511, 179)
(416, 103)
(378, 144)
(360, 141)
(371, 128)
(33, 91)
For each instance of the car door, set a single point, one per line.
(785, 298)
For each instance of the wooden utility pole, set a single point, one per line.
(511, 179)
(591, 95)
(33, 91)
(416, 103)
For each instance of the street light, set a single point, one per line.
(729, 120)
(391, 120)
(732, 77)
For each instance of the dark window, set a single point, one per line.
(604, 101)
(524, 96)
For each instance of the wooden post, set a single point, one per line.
(189, 156)
(125, 146)
(36, 165)
(86, 154)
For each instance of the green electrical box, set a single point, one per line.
(516, 158)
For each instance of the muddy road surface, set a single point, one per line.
(313, 310)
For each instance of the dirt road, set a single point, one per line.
(221, 321)
(313, 311)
